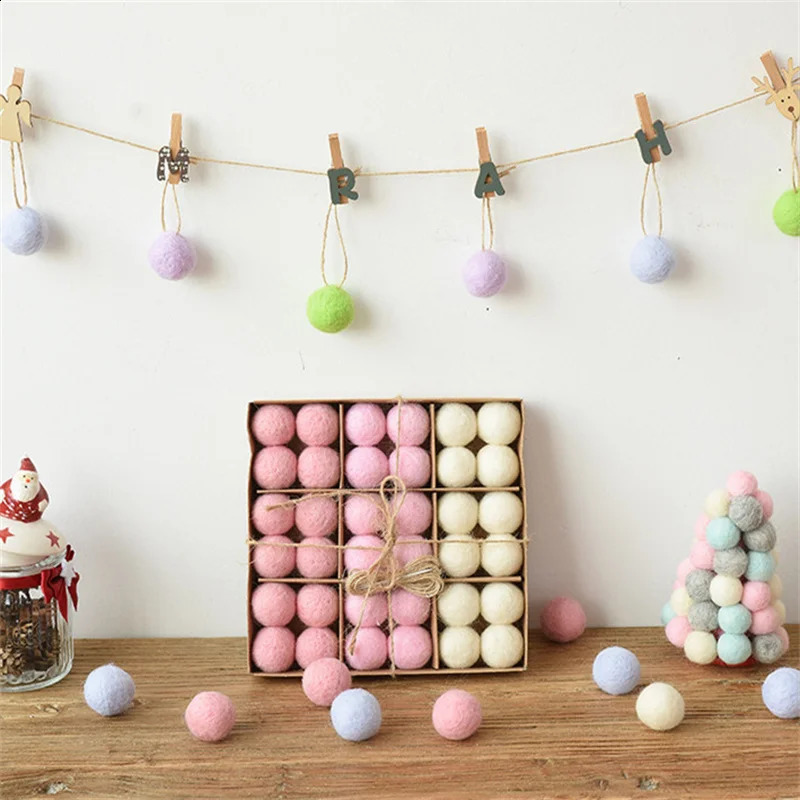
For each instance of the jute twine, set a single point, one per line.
(333, 207)
(22, 175)
(795, 161)
(486, 213)
(177, 207)
(651, 168)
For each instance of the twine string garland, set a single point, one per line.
(177, 207)
(486, 213)
(795, 161)
(22, 175)
(333, 207)
(651, 168)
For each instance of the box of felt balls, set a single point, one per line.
(317, 516)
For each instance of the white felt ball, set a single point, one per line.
(459, 647)
(459, 555)
(457, 512)
(660, 706)
(775, 586)
(499, 423)
(501, 554)
(725, 590)
(502, 646)
(500, 512)
(680, 601)
(700, 647)
(109, 690)
(456, 425)
(717, 503)
(459, 604)
(780, 608)
(23, 231)
(498, 465)
(502, 603)
(652, 259)
(455, 467)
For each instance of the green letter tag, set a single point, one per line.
(659, 140)
(488, 181)
(343, 188)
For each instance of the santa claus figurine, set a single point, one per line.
(24, 498)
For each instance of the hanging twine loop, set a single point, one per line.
(335, 209)
(795, 161)
(651, 168)
(486, 215)
(177, 207)
(23, 179)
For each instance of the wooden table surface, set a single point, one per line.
(547, 733)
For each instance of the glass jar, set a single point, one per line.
(35, 636)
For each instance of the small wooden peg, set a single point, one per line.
(19, 77)
(779, 86)
(484, 156)
(337, 162)
(773, 71)
(175, 144)
(646, 120)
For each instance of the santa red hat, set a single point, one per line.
(26, 465)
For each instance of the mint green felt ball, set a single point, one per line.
(786, 213)
(330, 309)
(734, 648)
(735, 619)
(667, 613)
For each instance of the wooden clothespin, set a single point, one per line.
(13, 110)
(779, 87)
(488, 183)
(651, 135)
(173, 159)
(341, 179)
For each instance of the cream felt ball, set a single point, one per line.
(375, 610)
(456, 425)
(317, 516)
(781, 609)
(502, 646)
(361, 552)
(700, 647)
(412, 465)
(325, 679)
(660, 707)
(499, 423)
(745, 513)
(356, 715)
(109, 690)
(760, 566)
(766, 502)
(767, 648)
(563, 619)
(676, 630)
(501, 555)
(734, 648)
(269, 520)
(457, 512)
(414, 515)
(411, 646)
(273, 649)
(273, 424)
(317, 605)
(652, 259)
(459, 647)
(370, 651)
(409, 608)
(786, 213)
(484, 274)
(455, 467)
(717, 503)
(409, 548)
(408, 424)
(275, 467)
(273, 604)
(365, 424)
(362, 515)
(315, 643)
(23, 231)
(680, 601)
(459, 555)
(725, 590)
(317, 558)
(735, 619)
(756, 595)
(274, 557)
(317, 424)
(616, 670)
(365, 467)
(781, 692)
(722, 534)
(776, 586)
(500, 512)
(456, 715)
(210, 716)
(459, 604)
(497, 465)
(330, 309)
(318, 468)
(172, 256)
(502, 603)
(763, 538)
(741, 482)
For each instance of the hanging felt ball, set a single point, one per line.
(23, 231)
(485, 274)
(330, 309)
(786, 213)
(172, 256)
(652, 259)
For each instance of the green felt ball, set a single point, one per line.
(330, 309)
(786, 213)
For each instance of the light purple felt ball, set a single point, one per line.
(23, 231)
(172, 256)
(652, 259)
(485, 274)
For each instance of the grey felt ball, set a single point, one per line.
(767, 648)
(745, 512)
(762, 539)
(703, 616)
(697, 583)
(731, 562)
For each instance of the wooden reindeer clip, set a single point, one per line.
(651, 135)
(14, 111)
(341, 179)
(488, 183)
(783, 90)
(173, 158)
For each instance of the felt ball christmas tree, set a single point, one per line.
(725, 605)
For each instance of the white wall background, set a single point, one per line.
(130, 392)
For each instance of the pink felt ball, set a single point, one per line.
(375, 609)
(408, 548)
(766, 620)
(409, 608)
(370, 650)
(273, 557)
(563, 619)
(317, 516)
(741, 482)
(210, 716)
(273, 604)
(684, 568)
(412, 465)
(414, 516)
(365, 467)
(765, 498)
(408, 424)
(364, 424)
(317, 558)
(275, 467)
(318, 468)
(702, 555)
(317, 605)
(411, 645)
(783, 635)
(361, 552)
(315, 643)
(484, 274)
(271, 521)
(456, 715)
(362, 515)
(677, 583)
(756, 595)
(700, 526)
(273, 425)
(273, 649)
(172, 256)
(677, 629)
(317, 424)
(324, 679)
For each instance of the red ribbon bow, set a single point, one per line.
(53, 585)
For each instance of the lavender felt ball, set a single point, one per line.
(485, 274)
(23, 231)
(109, 690)
(172, 256)
(781, 693)
(616, 670)
(652, 259)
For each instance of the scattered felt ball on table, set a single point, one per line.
(273, 514)
(365, 467)
(210, 716)
(502, 646)
(455, 467)
(501, 554)
(274, 557)
(317, 558)
(563, 619)
(318, 467)
(457, 512)
(456, 715)
(356, 715)
(660, 706)
(502, 603)
(23, 231)
(316, 516)
(315, 643)
(109, 690)
(786, 213)
(500, 512)
(273, 604)
(370, 650)
(325, 679)
(484, 274)
(459, 646)
(456, 424)
(499, 422)
(459, 604)
(781, 692)
(365, 424)
(273, 424)
(411, 646)
(652, 259)
(616, 670)
(317, 424)
(497, 465)
(330, 309)
(273, 649)
(414, 515)
(317, 605)
(411, 464)
(275, 467)
(408, 424)
(172, 256)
